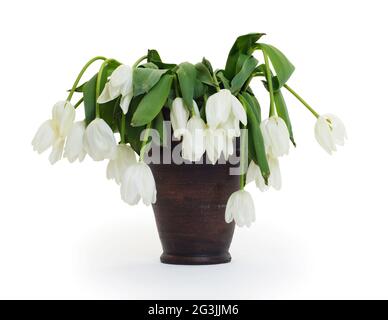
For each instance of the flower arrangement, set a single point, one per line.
(208, 109)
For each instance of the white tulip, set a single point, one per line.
(125, 156)
(215, 143)
(240, 208)
(329, 132)
(276, 136)
(44, 137)
(275, 178)
(221, 106)
(120, 83)
(179, 115)
(52, 133)
(99, 140)
(193, 145)
(254, 174)
(138, 183)
(74, 148)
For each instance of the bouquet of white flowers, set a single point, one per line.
(208, 109)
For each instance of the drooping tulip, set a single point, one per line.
(125, 156)
(240, 208)
(138, 183)
(215, 143)
(74, 148)
(99, 140)
(120, 83)
(329, 132)
(52, 133)
(179, 116)
(276, 136)
(254, 174)
(222, 107)
(193, 145)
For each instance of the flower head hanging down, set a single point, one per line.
(120, 83)
(99, 140)
(125, 156)
(240, 208)
(138, 183)
(193, 145)
(276, 136)
(274, 180)
(224, 112)
(179, 115)
(329, 132)
(52, 133)
(74, 148)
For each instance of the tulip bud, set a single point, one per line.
(240, 208)
(329, 132)
(193, 145)
(179, 116)
(99, 140)
(276, 136)
(138, 183)
(74, 148)
(125, 156)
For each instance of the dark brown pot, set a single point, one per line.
(190, 212)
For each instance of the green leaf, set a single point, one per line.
(187, 75)
(132, 134)
(243, 75)
(152, 102)
(224, 80)
(204, 74)
(255, 137)
(282, 66)
(282, 111)
(243, 45)
(144, 79)
(154, 57)
(158, 125)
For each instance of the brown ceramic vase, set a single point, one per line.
(190, 212)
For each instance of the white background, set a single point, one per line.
(65, 233)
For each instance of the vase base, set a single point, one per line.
(195, 260)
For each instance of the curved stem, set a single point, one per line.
(270, 87)
(243, 160)
(144, 143)
(77, 80)
(122, 129)
(216, 82)
(98, 84)
(79, 102)
(316, 114)
(137, 62)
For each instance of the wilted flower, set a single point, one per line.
(99, 140)
(138, 183)
(125, 156)
(254, 174)
(274, 180)
(329, 132)
(193, 145)
(276, 136)
(52, 133)
(74, 148)
(179, 116)
(240, 208)
(120, 83)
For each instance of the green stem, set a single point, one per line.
(242, 158)
(216, 82)
(137, 62)
(79, 102)
(144, 143)
(77, 80)
(98, 84)
(270, 87)
(122, 129)
(316, 114)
